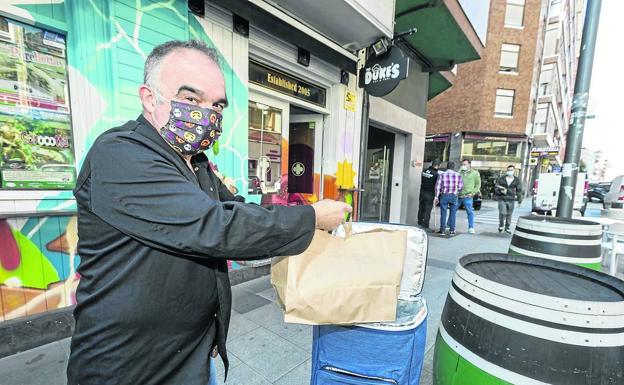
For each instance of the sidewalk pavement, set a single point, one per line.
(263, 349)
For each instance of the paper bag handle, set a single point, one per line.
(348, 227)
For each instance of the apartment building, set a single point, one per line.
(513, 106)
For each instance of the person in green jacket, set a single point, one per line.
(472, 186)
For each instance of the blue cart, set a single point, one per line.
(383, 353)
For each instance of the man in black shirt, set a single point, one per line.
(156, 228)
(427, 193)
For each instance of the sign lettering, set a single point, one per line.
(281, 82)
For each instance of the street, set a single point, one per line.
(263, 349)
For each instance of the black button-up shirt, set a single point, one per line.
(154, 296)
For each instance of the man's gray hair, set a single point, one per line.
(150, 73)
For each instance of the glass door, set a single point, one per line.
(267, 135)
(375, 206)
(304, 154)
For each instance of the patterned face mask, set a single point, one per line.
(191, 129)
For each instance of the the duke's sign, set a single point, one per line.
(383, 73)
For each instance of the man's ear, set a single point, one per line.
(148, 98)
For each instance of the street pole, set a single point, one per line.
(569, 171)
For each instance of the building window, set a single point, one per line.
(555, 8)
(36, 140)
(509, 58)
(504, 102)
(484, 148)
(551, 40)
(545, 79)
(514, 14)
(437, 148)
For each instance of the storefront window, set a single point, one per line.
(436, 149)
(265, 148)
(489, 148)
(35, 125)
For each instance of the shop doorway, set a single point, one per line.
(377, 178)
(285, 143)
(304, 155)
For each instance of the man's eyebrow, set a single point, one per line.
(223, 101)
(194, 90)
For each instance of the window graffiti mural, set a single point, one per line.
(35, 125)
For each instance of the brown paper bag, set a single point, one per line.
(342, 280)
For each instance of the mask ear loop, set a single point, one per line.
(158, 95)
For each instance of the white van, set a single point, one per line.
(546, 193)
(614, 199)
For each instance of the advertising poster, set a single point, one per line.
(35, 126)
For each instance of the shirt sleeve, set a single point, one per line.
(438, 185)
(478, 183)
(145, 196)
(460, 183)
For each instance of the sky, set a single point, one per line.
(477, 12)
(606, 101)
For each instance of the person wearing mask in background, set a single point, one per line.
(507, 190)
(447, 189)
(472, 187)
(427, 193)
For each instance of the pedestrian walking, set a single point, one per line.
(427, 194)
(156, 228)
(448, 186)
(472, 187)
(507, 190)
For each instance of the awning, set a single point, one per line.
(445, 36)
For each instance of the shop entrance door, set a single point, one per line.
(304, 153)
(268, 131)
(376, 196)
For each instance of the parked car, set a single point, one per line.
(615, 197)
(476, 203)
(597, 191)
(546, 193)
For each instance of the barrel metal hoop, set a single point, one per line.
(559, 319)
(569, 229)
(555, 303)
(559, 258)
(535, 330)
(561, 241)
(486, 366)
(559, 234)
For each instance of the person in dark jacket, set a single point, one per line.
(507, 190)
(427, 193)
(156, 228)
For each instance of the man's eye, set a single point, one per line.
(218, 106)
(192, 99)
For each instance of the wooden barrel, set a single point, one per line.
(559, 239)
(511, 319)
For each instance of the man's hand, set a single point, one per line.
(436, 201)
(330, 214)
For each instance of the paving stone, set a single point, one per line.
(234, 363)
(244, 301)
(240, 325)
(267, 353)
(244, 375)
(42, 365)
(269, 294)
(298, 376)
